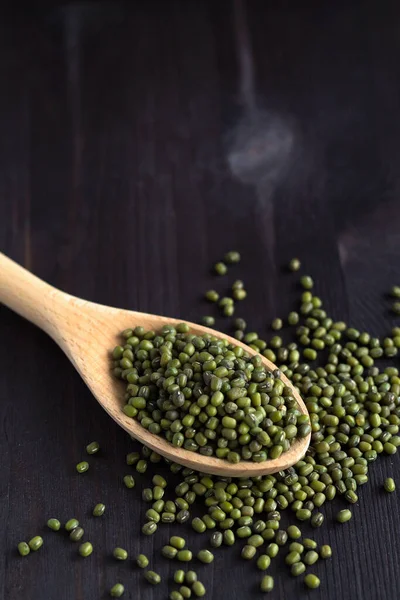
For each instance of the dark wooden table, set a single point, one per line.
(138, 142)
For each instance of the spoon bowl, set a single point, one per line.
(87, 332)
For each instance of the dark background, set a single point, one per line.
(138, 143)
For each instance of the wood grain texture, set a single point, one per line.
(135, 149)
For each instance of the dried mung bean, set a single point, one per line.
(312, 581)
(184, 555)
(317, 519)
(177, 542)
(71, 524)
(179, 576)
(272, 550)
(76, 534)
(120, 553)
(263, 562)
(85, 549)
(82, 467)
(142, 561)
(292, 557)
(152, 577)
(99, 510)
(296, 547)
(389, 484)
(208, 321)
(212, 296)
(93, 447)
(293, 532)
(233, 257)
(54, 524)
(220, 268)
(216, 539)
(343, 516)
(294, 264)
(185, 591)
(149, 528)
(325, 551)
(129, 481)
(267, 583)
(169, 551)
(310, 557)
(117, 590)
(23, 549)
(297, 569)
(191, 577)
(205, 556)
(198, 589)
(248, 552)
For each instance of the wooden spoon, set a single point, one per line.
(86, 332)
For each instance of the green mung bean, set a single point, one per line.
(248, 552)
(76, 534)
(267, 583)
(343, 516)
(71, 524)
(185, 591)
(272, 550)
(99, 510)
(54, 524)
(191, 577)
(120, 553)
(220, 268)
(169, 551)
(325, 551)
(149, 528)
(389, 484)
(93, 447)
(205, 556)
(85, 549)
(294, 264)
(232, 257)
(310, 557)
(152, 577)
(208, 320)
(212, 296)
(292, 557)
(297, 569)
(263, 562)
(142, 561)
(198, 589)
(312, 581)
(82, 467)
(293, 532)
(184, 555)
(129, 481)
(296, 547)
(117, 590)
(179, 576)
(132, 458)
(23, 549)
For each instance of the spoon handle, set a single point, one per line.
(31, 297)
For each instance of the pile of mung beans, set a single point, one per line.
(207, 395)
(354, 409)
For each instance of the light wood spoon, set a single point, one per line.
(87, 332)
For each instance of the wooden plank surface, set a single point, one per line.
(138, 142)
